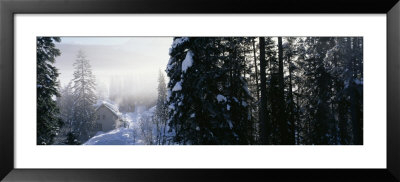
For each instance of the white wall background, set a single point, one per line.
(371, 155)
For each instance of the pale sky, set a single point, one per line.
(131, 58)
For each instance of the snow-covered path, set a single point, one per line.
(125, 136)
(119, 136)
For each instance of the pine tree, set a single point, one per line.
(208, 94)
(237, 91)
(254, 88)
(264, 121)
(305, 95)
(84, 97)
(289, 53)
(66, 105)
(311, 90)
(296, 68)
(178, 52)
(280, 100)
(355, 89)
(318, 87)
(344, 63)
(48, 121)
(161, 110)
(65, 102)
(256, 77)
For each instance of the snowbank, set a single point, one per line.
(119, 136)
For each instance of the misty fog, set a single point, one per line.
(126, 68)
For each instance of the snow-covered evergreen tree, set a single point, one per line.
(65, 102)
(84, 98)
(48, 121)
(161, 115)
(178, 52)
(208, 94)
(235, 88)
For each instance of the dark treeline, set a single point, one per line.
(266, 90)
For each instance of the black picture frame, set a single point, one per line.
(8, 8)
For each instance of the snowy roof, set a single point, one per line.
(114, 109)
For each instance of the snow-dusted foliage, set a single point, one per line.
(177, 42)
(177, 87)
(48, 120)
(200, 93)
(221, 98)
(328, 70)
(188, 62)
(161, 113)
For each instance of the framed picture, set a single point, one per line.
(130, 90)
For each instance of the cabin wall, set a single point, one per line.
(106, 118)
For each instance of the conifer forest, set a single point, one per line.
(206, 91)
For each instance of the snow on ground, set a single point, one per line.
(119, 136)
(125, 136)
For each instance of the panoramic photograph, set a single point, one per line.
(199, 90)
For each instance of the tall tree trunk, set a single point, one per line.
(255, 66)
(291, 105)
(281, 115)
(264, 126)
(299, 93)
(354, 99)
